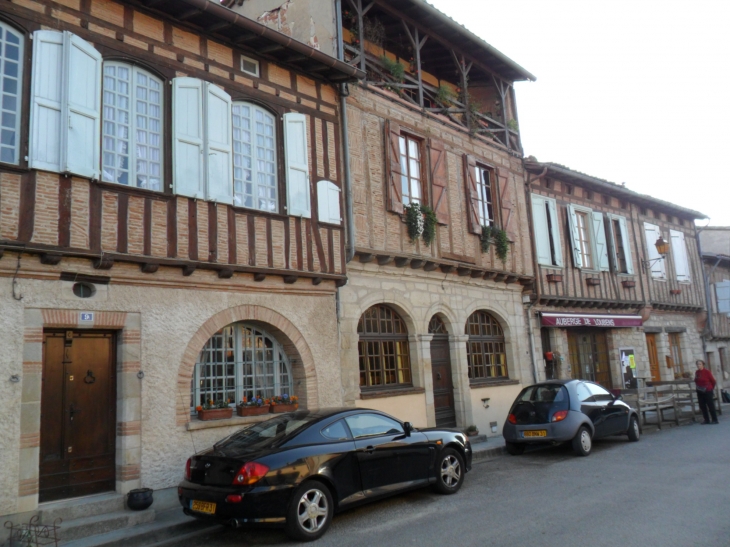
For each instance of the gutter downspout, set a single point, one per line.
(708, 301)
(347, 177)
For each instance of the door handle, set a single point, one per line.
(438, 375)
(368, 450)
(73, 410)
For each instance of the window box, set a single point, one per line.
(275, 409)
(215, 414)
(555, 278)
(627, 284)
(252, 410)
(593, 281)
(675, 291)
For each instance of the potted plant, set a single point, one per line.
(215, 410)
(284, 403)
(254, 406)
(139, 499)
(472, 430)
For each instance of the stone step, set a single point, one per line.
(100, 524)
(169, 526)
(77, 508)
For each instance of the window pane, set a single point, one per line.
(262, 193)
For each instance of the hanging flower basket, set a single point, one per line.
(555, 278)
(628, 284)
(246, 410)
(593, 281)
(215, 414)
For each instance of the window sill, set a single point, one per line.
(194, 424)
(492, 383)
(396, 392)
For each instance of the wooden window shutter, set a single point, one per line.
(46, 101)
(542, 233)
(218, 152)
(439, 180)
(599, 241)
(392, 167)
(188, 137)
(297, 165)
(505, 204)
(472, 194)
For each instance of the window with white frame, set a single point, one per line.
(250, 66)
(328, 202)
(254, 158)
(652, 233)
(11, 78)
(132, 121)
(546, 230)
(722, 296)
(621, 250)
(588, 237)
(679, 255)
(240, 361)
(485, 187)
(410, 164)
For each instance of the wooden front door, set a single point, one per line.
(589, 356)
(78, 414)
(443, 388)
(656, 374)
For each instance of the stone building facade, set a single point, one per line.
(170, 234)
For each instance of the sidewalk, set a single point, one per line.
(485, 448)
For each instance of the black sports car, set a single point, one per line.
(297, 469)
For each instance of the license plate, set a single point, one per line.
(203, 507)
(535, 433)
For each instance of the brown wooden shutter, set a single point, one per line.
(439, 180)
(472, 194)
(506, 204)
(392, 167)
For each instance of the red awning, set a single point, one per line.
(589, 320)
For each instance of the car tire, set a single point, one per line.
(450, 471)
(633, 432)
(582, 442)
(514, 449)
(310, 511)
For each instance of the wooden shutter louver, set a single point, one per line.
(506, 206)
(439, 180)
(392, 167)
(472, 194)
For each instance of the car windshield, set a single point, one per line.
(269, 433)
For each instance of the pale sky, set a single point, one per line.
(629, 91)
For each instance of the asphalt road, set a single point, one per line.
(672, 488)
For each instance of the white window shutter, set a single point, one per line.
(46, 101)
(722, 292)
(599, 233)
(328, 202)
(218, 147)
(81, 111)
(652, 233)
(541, 229)
(627, 245)
(297, 164)
(188, 137)
(679, 251)
(555, 227)
(574, 237)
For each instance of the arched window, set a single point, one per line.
(436, 326)
(383, 349)
(132, 127)
(485, 348)
(239, 361)
(11, 78)
(254, 158)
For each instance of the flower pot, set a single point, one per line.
(139, 499)
(215, 414)
(555, 278)
(252, 410)
(675, 291)
(275, 409)
(628, 284)
(472, 432)
(593, 281)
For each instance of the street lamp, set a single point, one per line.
(662, 248)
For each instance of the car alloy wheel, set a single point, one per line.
(582, 442)
(310, 512)
(634, 432)
(450, 472)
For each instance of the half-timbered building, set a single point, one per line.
(170, 235)
(619, 294)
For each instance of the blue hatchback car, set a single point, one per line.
(576, 411)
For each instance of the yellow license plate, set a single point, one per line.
(535, 433)
(203, 507)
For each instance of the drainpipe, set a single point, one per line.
(708, 301)
(347, 179)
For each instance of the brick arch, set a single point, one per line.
(276, 324)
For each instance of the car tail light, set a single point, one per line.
(234, 498)
(559, 416)
(250, 473)
(188, 475)
(512, 419)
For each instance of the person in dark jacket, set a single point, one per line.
(705, 382)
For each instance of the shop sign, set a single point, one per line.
(589, 320)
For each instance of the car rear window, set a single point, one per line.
(266, 434)
(537, 404)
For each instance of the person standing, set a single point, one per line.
(705, 382)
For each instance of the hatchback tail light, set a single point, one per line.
(512, 419)
(188, 475)
(234, 498)
(559, 416)
(250, 473)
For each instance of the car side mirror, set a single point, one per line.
(407, 428)
(619, 397)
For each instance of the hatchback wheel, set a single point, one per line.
(633, 431)
(450, 472)
(582, 442)
(514, 448)
(310, 512)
